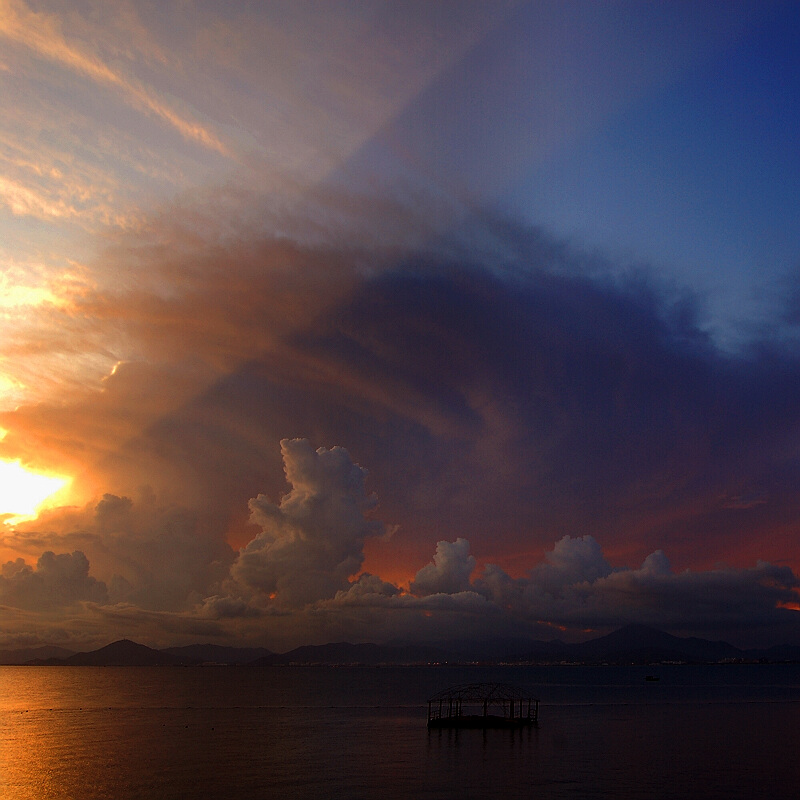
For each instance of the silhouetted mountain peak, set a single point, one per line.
(122, 653)
(641, 643)
(638, 635)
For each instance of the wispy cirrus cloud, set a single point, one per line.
(42, 34)
(24, 201)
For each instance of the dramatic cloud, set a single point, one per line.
(577, 586)
(58, 580)
(153, 555)
(448, 573)
(299, 579)
(396, 237)
(502, 387)
(313, 542)
(576, 589)
(571, 561)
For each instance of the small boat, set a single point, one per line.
(652, 678)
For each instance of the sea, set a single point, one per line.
(306, 732)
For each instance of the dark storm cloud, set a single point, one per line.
(151, 555)
(509, 405)
(58, 580)
(575, 585)
(576, 589)
(508, 394)
(501, 387)
(590, 406)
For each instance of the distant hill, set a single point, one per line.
(633, 644)
(123, 653)
(347, 653)
(638, 644)
(26, 654)
(218, 654)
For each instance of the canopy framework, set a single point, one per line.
(482, 705)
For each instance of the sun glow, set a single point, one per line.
(22, 491)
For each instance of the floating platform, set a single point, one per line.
(483, 705)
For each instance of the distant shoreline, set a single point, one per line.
(633, 645)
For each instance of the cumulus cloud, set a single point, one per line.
(367, 589)
(297, 581)
(225, 607)
(158, 556)
(312, 542)
(721, 598)
(448, 573)
(59, 579)
(571, 561)
(576, 586)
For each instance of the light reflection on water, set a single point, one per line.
(161, 733)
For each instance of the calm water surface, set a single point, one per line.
(84, 733)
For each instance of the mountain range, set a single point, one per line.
(633, 644)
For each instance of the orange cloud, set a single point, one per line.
(42, 34)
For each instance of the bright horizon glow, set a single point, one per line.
(23, 491)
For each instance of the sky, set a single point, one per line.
(398, 321)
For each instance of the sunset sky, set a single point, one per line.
(382, 321)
